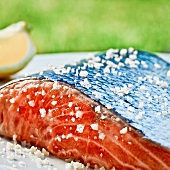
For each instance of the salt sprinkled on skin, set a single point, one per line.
(123, 52)
(98, 75)
(108, 106)
(96, 94)
(85, 83)
(168, 73)
(131, 109)
(83, 73)
(156, 65)
(143, 87)
(132, 57)
(139, 115)
(106, 70)
(140, 106)
(130, 49)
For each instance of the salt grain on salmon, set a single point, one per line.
(31, 103)
(43, 112)
(80, 128)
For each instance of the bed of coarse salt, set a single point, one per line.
(17, 156)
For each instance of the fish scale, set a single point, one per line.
(154, 123)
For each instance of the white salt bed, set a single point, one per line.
(26, 160)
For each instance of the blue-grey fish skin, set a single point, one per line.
(135, 85)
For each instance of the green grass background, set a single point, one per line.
(92, 25)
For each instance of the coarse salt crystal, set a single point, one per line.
(131, 109)
(149, 99)
(83, 73)
(139, 116)
(85, 83)
(98, 75)
(33, 149)
(96, 94)
(70, 104)
(12, 100)
(97, 109)
(56, 85)
(14, 137)
(101, 135)
(156, 65)
(73, 119)
(94, 126)
(168, 73)
(135, 52)
(10, 156)
(9, 146)
(123, 52)
(54, 103)
(43, 112)
(143, 87)
(79, 114)
(108, 106)
(58, 138)
(140, 78)
(109, 53)
(38, 153)
(106, 70)
(80, 128)
(72, 113)
(124, 130)
(43, 93)
(140, 106)
(132, 57)
(31, 103)
(130, 49)
(46, 153)
(69, 135)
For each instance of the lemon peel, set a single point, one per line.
(16, 48)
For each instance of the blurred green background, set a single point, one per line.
(92, 25)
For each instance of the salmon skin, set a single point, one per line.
(111, 110)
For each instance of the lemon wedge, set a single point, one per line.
(16, 48)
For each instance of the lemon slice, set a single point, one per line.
(16, 48)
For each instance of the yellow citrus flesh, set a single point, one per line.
(16, 49)
(13, 49)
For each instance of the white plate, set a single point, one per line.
(24, 160)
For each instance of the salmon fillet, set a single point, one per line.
(108, 111)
